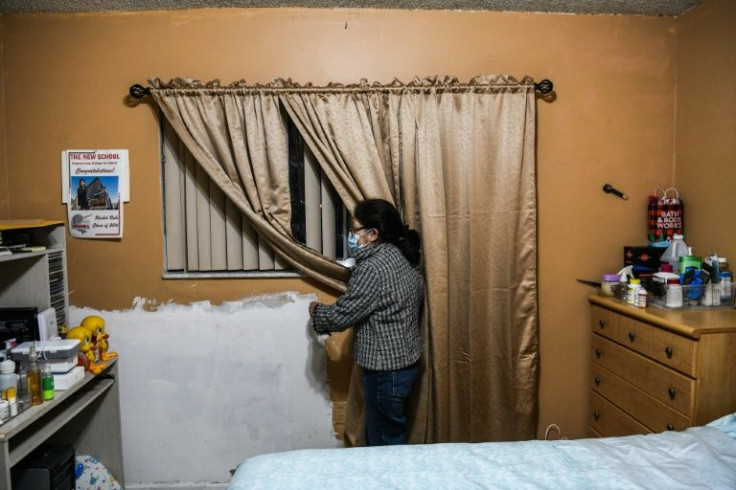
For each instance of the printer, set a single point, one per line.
(59, 354)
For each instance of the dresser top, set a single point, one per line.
(692, 322)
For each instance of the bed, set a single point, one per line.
(698, 458)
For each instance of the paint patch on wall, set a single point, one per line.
(203, 387)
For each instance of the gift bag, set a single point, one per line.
(666, 216)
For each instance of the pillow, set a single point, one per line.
(90, 474)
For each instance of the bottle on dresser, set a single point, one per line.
(725, 280)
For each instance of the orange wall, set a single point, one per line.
(4, 202)
(706, 127)
(66, 77)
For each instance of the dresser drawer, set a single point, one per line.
(605, 322)
(674, 351)
(609, 421)
(666, 385)
(666, 347)
(653, 413)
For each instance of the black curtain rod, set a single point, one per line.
(138, 91)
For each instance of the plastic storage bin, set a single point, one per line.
(699, 296)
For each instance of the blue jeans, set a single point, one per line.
(386, 394)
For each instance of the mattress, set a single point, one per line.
(698, 458)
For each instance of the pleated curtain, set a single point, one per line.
(458, 161)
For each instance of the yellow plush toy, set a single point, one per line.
(84, 335)
(96, 324)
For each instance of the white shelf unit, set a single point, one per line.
(86, 416)
(36, 279)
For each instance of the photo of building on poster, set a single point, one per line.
(94, 195)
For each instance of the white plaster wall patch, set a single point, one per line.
(203, 387)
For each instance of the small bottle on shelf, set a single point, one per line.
(12, 403)
(34, 377)
(23, 395)
(8, 378)
(47, 383)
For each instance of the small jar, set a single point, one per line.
(608, 283)
(641, 301)
(673, 298)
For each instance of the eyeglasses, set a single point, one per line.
(356, 230)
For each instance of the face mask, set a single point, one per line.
(353, 243)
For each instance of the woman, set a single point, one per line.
(383, 304)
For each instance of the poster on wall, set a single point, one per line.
(95, 183)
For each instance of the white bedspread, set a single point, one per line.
(698, 458)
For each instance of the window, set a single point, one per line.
(205, 234)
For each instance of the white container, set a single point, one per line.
(674, 294)
(8, 377)
(676, 249)
(67, 380)
(12, 406)
(725, 287)
(608, 283)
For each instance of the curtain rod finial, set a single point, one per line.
(545, 86)
(139, 91)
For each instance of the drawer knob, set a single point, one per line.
(602, 324)
(598, 380)
(632, 336)
(669, 351)
(670, 427)
(672, 392)
(596, 416)
(598, 353)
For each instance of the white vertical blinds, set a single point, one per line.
(206, 233)
(173, 183)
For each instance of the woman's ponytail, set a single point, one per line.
(383, 216)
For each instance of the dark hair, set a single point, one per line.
(382, 216)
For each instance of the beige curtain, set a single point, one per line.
(474, 171)
(458, 161)
(239, 138)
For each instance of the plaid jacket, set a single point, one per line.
(383, 304)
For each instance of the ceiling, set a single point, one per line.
(606, 7)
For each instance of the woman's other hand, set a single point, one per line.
(312, 306)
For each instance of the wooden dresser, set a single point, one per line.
(656, 369)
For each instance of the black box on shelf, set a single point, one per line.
(645, 259)
(49, 467)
